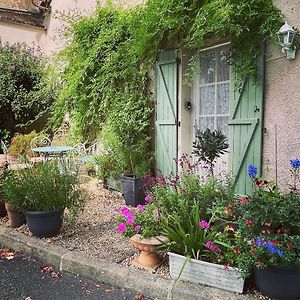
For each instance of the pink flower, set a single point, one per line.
(140, 207)
(121, 228)
(203, 224)
(137, 228)
(148, 198)
(267, 224)
(212, 247)
(130, 221)
(126, 212)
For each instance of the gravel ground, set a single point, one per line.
(94, 233)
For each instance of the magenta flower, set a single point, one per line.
(121, 228)
(148, 198)
(130, 221)
(140, 207)
(137, 228)
(212, 247)
(126, 212)
(203, 224)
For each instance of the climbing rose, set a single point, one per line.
(121, 228)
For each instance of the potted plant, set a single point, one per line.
(198, 247)
(3, 172)
(269, 232)
(43, 192)
(208, 146)
(142, 225)
(129, 127)
(15, 216)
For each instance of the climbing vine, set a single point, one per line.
(112, 52)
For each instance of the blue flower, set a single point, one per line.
(260, 243)
(295, 163)
(252, 171)
(263, 243)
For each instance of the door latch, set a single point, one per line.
(256, 108)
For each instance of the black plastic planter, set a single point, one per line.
(44, 223)
(279, 282)
(133, 190)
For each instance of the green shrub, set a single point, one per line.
(25, 92)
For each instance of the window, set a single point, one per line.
(212, 91)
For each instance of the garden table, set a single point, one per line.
(53, 151)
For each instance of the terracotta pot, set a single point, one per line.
(15, 216)
(3, 211)
(148, 257)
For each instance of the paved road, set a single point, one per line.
(22, 278)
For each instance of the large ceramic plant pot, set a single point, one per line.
(279, 282)
(133, 190)
(3, 211)
(15, 216)
(44, 223)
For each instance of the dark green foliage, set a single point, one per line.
(209, 145)
(24, 93)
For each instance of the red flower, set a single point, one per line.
(280, 231)
(289, 245)
(249, 222)
(242, 201)
(251, 251)
(255, 245)
(266, 231)
(267, 224)
(236, 251)
(226, 266)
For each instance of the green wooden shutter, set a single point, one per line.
(245, 125)
(166, 112)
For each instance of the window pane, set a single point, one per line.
(206, 122)
(222, 125)
(207, 68)
(207, 100)
(223, 98)
(223, 66)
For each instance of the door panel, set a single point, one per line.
(166, 112)
(245, 127)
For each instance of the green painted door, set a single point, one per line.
(166, 112)
(245, 127)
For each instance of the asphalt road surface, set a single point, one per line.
(24, 278)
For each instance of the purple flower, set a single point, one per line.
(203, 224)
(148, 198)
(252, 171)
(121, 228)
(137, 228)
(126, 212)
(130, 221)
(295, 163)
(140, 207)
(212, 247)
